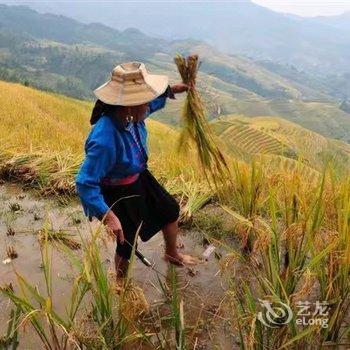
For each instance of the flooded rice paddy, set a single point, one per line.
(24, 214)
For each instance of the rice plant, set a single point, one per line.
(196, 129)
(333, 269)
(194, 196)
(300, 250)
(177, 308)
(10, 339)
(175, 302)
(60, 236)
(37, 307)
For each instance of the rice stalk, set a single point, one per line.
(59, 236)
(51, 172)
(194, 196)
(302, 235)
(100, 289)
(177, 312)
(196, 130)
(176, 317)
(125, 313)
(10, 339)
(333, 269)
(38, 308)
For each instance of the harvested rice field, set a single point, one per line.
(25, 216)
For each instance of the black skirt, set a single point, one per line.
(144, 201)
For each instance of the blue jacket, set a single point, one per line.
(112, 151)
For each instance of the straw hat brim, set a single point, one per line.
(132, 93)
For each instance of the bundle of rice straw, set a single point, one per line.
(196, 129)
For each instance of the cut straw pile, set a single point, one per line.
(196, 129)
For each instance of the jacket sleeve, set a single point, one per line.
(100, 157)
(159, 102)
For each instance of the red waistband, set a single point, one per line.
(117, 182)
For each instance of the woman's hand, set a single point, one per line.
(178, 88)
(114, 227)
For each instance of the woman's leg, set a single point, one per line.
(123, 252)
(121, 265)
(170, 234)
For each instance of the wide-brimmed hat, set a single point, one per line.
(131, 85)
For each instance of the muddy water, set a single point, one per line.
(25, 214)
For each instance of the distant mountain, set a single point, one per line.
(60, 54)
(320, 46)
(340, 22)
(65, 30)
(332, 84)
(59, 45)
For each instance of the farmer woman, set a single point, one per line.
(113, 183)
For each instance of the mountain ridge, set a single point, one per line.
(230, 83)
(244, 28)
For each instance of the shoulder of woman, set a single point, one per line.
(102, 132)
(104, 125)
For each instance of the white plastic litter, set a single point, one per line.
(210, 249)
(6, 261)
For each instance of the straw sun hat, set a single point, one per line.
(131, 85)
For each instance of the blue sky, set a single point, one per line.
(307, 7)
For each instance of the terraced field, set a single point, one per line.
(251, 141)
(42, 137)
(249, 137)
(283, 165)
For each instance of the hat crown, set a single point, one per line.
(129, 71)
(131, 85)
